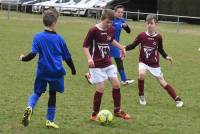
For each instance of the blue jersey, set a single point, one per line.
(52, 51)
(118, 24)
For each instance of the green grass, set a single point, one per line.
(160, 116)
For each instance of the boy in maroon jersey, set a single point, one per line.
(96, 49)
(150, 46)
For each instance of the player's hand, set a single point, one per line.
(73, 72)
(123, 53)
(124, 25)
(91, 63)
(21, 57)
(169, 59)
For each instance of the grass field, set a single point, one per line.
(160, 116)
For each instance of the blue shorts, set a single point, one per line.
(56, 85)
(115, 51)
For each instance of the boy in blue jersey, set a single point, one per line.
(119, 23)
(52, 50)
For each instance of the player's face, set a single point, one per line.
(119, 13)
(107, 23)
(151, 25)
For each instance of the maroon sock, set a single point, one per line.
(97, 103)
(141, 87)
(171, 91)
(117, 99)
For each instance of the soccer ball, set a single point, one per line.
(105, 117)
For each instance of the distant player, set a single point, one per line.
(52, 50)
(119, 23)
(96, 49)
(151, 45)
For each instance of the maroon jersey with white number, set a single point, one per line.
(149, 45)
(98, 40)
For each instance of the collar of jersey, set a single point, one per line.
(53, 32)
(155, 34)
(97, 25)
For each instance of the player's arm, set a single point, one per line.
(133, 45)
(89, 57)
(33, 53)
(126, 28)
(122, 48)
(28, 57)
(162, 51)
(70, 63)
(68, 59)
(86, 51)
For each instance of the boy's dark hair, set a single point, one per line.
(50, 16)
(107, 14)
(151, 17)
(118, 6)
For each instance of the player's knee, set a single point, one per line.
(116, 85)
(100, 88)
(39, 94)
(162, 82)
(141, 76)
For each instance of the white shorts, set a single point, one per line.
(156, 72)
(98, 75)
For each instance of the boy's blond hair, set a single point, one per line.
(151, 17)
(107, 14)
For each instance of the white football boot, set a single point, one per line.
(179, 104)
(142, 100)
(127, 82)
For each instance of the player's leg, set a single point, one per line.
(33, 99)
(51, 111)
(54, 86)
(171, 91)
(142, 74)
(98, 76)
(97, 100)
(39, 88)
(111, 72)
(157, 73)
(116, 94)
(120, 68)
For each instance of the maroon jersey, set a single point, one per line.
(98, 40)
(150, 47)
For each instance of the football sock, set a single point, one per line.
(120, 68)
(171, 92)
(51, 113)
(33, 99)
(117, 99)
(97, 103)
(51, 106)
(52, 99)
(141, 87)
(122, 75)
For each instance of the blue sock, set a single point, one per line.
(33, 100)
(51, 113)
(122, 75)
